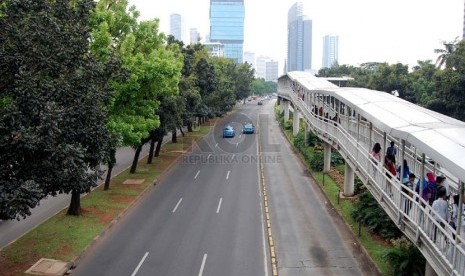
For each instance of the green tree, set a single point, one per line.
(243, 77)
(405, 258)
(444, 54)
(54, 92)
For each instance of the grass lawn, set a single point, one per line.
(64, 237)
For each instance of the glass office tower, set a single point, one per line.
(176, 26)
(299, 40)
(330, 50)
(227, 26)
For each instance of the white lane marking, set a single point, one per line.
(203, 264)
(233, 156)
(216, 145)
(219, 206)
(140, 264)
(177, 205)
(208, 157)
(237, 144)
(227, 175)
(240, 136)
(197, 174)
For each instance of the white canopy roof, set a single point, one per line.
(440, 137)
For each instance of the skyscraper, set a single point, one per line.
(271, 70)
(227, 26)
(330, 50)
(299, 39)
(176, 26)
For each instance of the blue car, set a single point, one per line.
(248, 129)
(228, 131)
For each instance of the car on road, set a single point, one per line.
(228, 131)
(248, 128)
(260, 103)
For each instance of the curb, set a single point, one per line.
(358, 245)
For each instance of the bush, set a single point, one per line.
(336, 159)
(405, 258)
(368, 211)
(288, 124)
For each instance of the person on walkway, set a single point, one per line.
(376, 153)
(405, 177)
(440, 211)
(428, 184)
(438, 187)
(409, 184)
(392, 150)
(391, 172)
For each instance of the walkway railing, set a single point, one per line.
(441, 245)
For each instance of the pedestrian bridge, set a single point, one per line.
(352, 120)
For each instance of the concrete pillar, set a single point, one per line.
(429, 271)
(327, 157)
(348, 181)
(295, 122)
(286, 110)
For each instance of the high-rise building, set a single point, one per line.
(176, 26)
(215, 49)
(463, 36)
(260, 66)
(227, 26)
(194, 36)
(299, 40)
(330, 50)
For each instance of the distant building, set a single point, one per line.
(299, 40)
(260, 67)
(176, 26)
(227, 26)
(215, 49)
(463, 36)
(194, 36)
(266, 68)
(330, 50)
(271, 70)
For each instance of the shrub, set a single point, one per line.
(368, 211)
(405, 258)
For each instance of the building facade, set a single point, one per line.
(330, 50)
(249, 57)
(227, 26)
(215, 49)
(299, 40)
(176, 26)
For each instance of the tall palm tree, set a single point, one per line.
(444, 54)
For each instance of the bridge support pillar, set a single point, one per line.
(429, 271)
(327, 157)
(295, 122)
(348, 181)
(286, 110)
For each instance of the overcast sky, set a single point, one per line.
(369, 30)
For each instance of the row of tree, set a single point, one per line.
(439, 87)
(80, 78)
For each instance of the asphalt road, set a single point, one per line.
(310, 239)
(10, 230)
(204, 217)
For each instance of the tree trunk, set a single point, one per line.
(75, 205)
(182, 131)
(108, 178)
(136, 159)
(111, 164)
(174, 136)
(157, 150)
(152, 147)
(189, 126)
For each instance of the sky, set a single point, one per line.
(390, 31)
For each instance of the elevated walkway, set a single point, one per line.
(351, 120)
